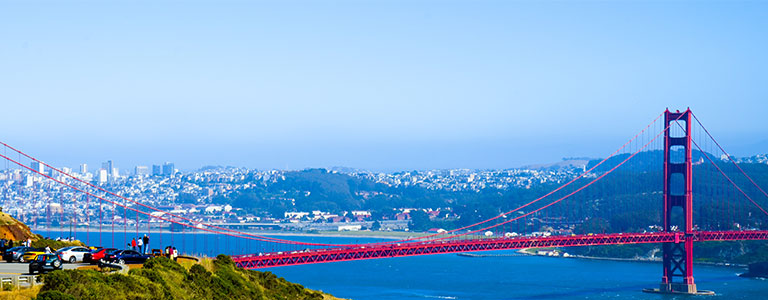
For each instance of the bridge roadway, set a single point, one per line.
(373, 251)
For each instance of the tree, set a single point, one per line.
(419, 221)
(593, 225)
(186, 198)
(376, 226)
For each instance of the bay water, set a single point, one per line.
(501, 275)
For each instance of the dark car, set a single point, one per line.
(8, 253)
(15, 253)
(96, 255)
(44, 263)
(126, 257)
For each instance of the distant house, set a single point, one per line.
(350, 227)
(361, 213)
(402, 216)
(179, 211)
(295, 215)
(213, 208)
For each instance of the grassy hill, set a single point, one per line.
(161, 278)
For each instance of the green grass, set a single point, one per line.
(162, 278)
(20, 294)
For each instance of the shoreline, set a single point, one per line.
(640, 259)
(397, 235)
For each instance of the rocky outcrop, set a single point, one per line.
(12, 229)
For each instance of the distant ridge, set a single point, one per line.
(566, 163)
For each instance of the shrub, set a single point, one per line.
(161, 278)
(54, 295)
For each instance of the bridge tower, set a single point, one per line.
(678, 187)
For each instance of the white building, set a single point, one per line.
(37, 167)
(141, 171)
(350, 227)
(361, 213)
(213, 208)
(102, 178)
(295, 215)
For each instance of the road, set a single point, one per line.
(16, 268)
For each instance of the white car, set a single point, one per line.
(73, 254)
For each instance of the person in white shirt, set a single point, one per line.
(140, 245)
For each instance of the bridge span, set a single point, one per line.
(730, 197)
(255, 261)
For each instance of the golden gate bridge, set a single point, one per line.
(669, 139)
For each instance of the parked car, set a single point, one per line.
(16, 253)
(96, 255)
(126, 256)
(8, 253)
(73, 254)
(31, 255)
(44, 263)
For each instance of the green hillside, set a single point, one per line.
(161, 278)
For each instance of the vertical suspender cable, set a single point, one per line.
(125, 222)
(101, 220)
(114, 208)
(87, 221)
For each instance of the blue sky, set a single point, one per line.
(384, 85)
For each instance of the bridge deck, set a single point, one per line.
(450, 246)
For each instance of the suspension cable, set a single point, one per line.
(568, 195)
(726, 176)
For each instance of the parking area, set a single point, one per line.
(16, 268)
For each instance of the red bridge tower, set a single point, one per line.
(678, 183)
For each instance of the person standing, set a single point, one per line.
(133, 244)
(146, 243)
(140, 245)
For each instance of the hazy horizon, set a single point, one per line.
(377, 85)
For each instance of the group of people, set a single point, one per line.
(5, 244)
(140, 244)
(171, 252)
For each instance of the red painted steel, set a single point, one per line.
(441, 247)
(678, 259)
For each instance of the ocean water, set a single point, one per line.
(450, 276)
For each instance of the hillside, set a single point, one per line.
(162, 278)
(13, 229)
(159, 278)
